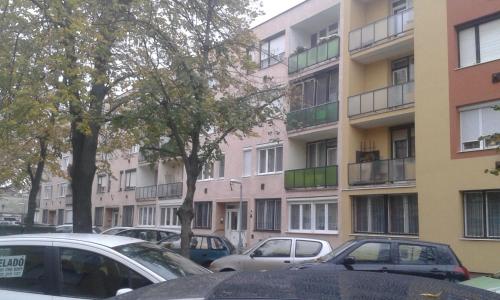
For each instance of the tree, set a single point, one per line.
(196, 85)
(495, 140)
(32, 133)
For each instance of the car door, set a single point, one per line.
(25, 271)
(217, 248)
(199, 250)
(418, 260)
(271, 255)
(305, 250)
(84, 273)
(371, 256)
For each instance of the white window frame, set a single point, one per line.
(47, 192)
(480, 108)
(266, 149)
(210, 176)
(485, 226)
(101, 185)
(221, 167)
(62, 190)
(313, 229)
(477, 39)
(65, 163)
(128, 182)
(271, 59)
(245, 172)
(169, 215)
(147, 215)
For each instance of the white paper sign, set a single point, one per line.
(12, 266)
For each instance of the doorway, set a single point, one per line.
(231, 230)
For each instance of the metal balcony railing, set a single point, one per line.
(387, 97)
(312, 116)
(382, 171)
(170, 190)
(145, 192)
(309, 57)
(311, 177)
(381, 30)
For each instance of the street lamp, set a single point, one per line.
(240, 212)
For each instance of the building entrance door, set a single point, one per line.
(231, 225)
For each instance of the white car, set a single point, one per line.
(273, 253)
(115, 230)
(82, 266)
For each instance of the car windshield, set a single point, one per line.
(163, 262)
(336, 251)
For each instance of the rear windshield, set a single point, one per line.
(165, 263)
(336, 251)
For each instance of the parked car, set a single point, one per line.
(73, 265)
(396, 256)
(273, 253)
(307, 284)
(490, 283)
(148, 234)
(204, 248)
(115, 230)
(22, 228)
(68, 228)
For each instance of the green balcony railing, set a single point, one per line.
(320, 53)
(311, 177)
(312, 116)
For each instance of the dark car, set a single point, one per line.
(148, 234)
(10, 229)
(397, 256)
(204, 248)
(307, 284)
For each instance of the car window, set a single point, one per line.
(129, 233)
(173, 242)
(274, 248)
(216, 244)
(199, 242)
(147, 235)
(22, 268)
(307, 248)
(165, 263)
(164, 234)
(372, 253)
(87, 274)
(416, 255)
(112, 231)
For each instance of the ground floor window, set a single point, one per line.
(98, 216)
(386, 214)
(168, 216)
(203, 215)
(482, 214)
(45, 216)
(60, 216)
(313, 216)
(147, 215)
(69, 217)
(268, 214)
(128, 215)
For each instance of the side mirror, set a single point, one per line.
(123, 291)
(256, 253)
(348, 261)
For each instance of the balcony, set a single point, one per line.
(388, 171)
(170, 190)
(315, 55)
(311, 178)
(385, 98)
(313, 116)
(145, 193)
(381, 30)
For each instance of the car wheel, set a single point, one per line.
(227, 270)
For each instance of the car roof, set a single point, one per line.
(154, 228)
(294, 238)
(109, 241)
(400, 240)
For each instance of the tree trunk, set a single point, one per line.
(82, 173)
(186, 214)
(29, 218)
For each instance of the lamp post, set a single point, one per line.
(240, 212)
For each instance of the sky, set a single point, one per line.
(272, 8)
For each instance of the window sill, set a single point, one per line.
(318, 232)
(267, 230)
(205, 180)
(481, 239)
(273, 173)
(132, 188)
(385, 235)
(476, 65)
(478, 149)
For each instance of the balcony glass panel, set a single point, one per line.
(354, 105)
(380, 30)
(379, 99)
(302, 60)
(310, 57)
(395, 95)
(333, 48)
(145, 192)
(292, 64)
(367, 36)
(170, 190)
(312, 116)
(311, 177)
(366, 103)
(322, 52)
(409, 92)
(382, 171)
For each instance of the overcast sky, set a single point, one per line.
(272, 8)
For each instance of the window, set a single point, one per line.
(65, 163)
(322, 153)
(272, 51)
(315, 91)
(274, 248)
(207, 172)
(134, 149)
(480, 42)
(482, 214)
(130, 179)
(147, 215)
(372, 253)
(416, 255)
(403, 141)
(270, 160)
(47, 192)
(386, 214)
(101, 183)
(98, 216)
(324, 33)
(168, 216)
(28, 271)
(69, 217)
(128, 215)
(313, 216)
(247, 162)
(222, 165)
(45, 216)
(199, 242)
(62, 190)
(203, 215)
(60, 216)
(268, 214)
(403, 70)
(90, 275)
(476, 122)
(307, 248)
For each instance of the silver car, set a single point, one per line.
(273, 253)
